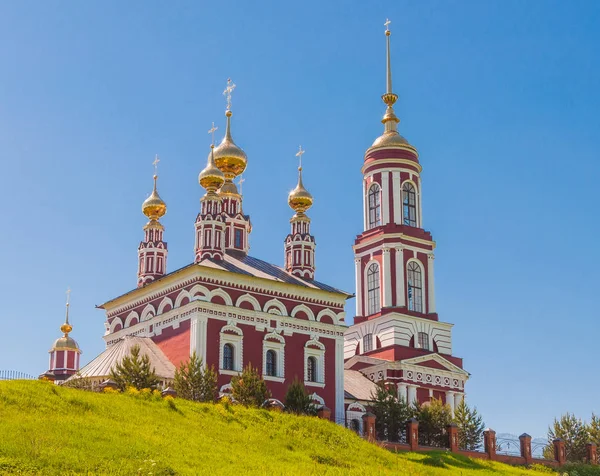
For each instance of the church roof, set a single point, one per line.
(107, 360)
(243, 264)
(357, 386)
(240, 263)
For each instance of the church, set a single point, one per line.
(234, 309)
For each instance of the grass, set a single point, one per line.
(46, 429)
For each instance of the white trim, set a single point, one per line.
(397, 190)
(113, 324)
(400, 270)
(148, 311)
(319, 355)
(198, 338)
(365, 203)
(222, 294)
(339, 379)
(386, 278)
(430, 283)
(279, 349)
(318, 398)
(385, 198)
(304, 308)
(359, 291)
(130, 317)
(417, 200)
(164, 303)
(276, 303)
(366, 289)
(248, 298)
(197, 290)
(328, 312)
(181, 296)
(236, 340)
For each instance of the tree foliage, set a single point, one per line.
(391, 413)
(195, 381)
(434, 417)
(574, 432)
(297, 400)
(470, 426)
(249, 388)
(134, 371)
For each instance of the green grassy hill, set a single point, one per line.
(46, 429)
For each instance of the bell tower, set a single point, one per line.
(394, 253)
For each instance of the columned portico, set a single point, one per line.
(450, 400)
(412, 394)
(403, 392)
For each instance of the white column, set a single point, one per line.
(450, 401)
(339, 381)
(397, 197)
(400, 300)
(365, 209)
(403, 391)
(385, 198)
(430, 284)
(357, 264)
(419, 207)
(458, 398)
(386, 277)
(412, 394)
(198, 336)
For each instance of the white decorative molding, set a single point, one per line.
(279, 348)
(275, 304)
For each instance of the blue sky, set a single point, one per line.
(499, 97)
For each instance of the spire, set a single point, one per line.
(66, 327)
(300, 199)
(154, 207)
(211, 178)
(229, 158)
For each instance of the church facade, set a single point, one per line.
(233, 309)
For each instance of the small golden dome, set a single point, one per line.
(389, 139)
(154, 207)
(229, 188)
(66, 328)
(65, 343)
(300, 199)
(230, 158)
(211, 178)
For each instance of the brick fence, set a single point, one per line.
(489, 444)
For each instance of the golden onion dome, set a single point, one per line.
(390, 139)
(211, 178)
(300, 199)
(230, 158)
(66, 328)
(154, 207)
(229, 188)
(65, 343)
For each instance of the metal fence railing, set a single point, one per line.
(15, 375)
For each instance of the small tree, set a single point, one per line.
(391, 413)
(134, 371)
(573, 432)
(249, 389)
(594, 430)
(470, 426)
(194, 381)
(434, 417)
(297, 400)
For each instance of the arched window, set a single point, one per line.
(312, 369)
(368, 343)
(271, 363)
(373, 288)
(415, 287)
(228, 351)
(374, 206)
(424, 340)
(409, 204)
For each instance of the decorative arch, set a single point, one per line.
(276, 304)
(316, 398)
(130, 317)
(327, 313)
(249, 299)
(199, 290)
(181, 296)
(274, 336)
(410, 204)
(163, 304)
(115, 322)
(357, 407)
(303, 308)
(233, 328)
(372, 306)
(314, 342)
(223, 295)
(148, 313)
(225, 389)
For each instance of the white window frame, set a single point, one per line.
(237, 340)
(369, 224)
(319, 355)
(366, 287)
(423, 286)
(275, 342)
(417, 203)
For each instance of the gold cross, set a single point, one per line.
(299, 154)
(240, 182)
(227, 93)
(386, 24)
(155, 163)
(212, 131)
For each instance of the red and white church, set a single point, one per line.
(233, 309)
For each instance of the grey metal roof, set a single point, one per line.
(357, 386)
(102, 365)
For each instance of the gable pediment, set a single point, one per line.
(434, 361)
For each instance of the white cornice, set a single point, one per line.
(375, 238)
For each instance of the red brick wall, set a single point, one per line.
(175, 343)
